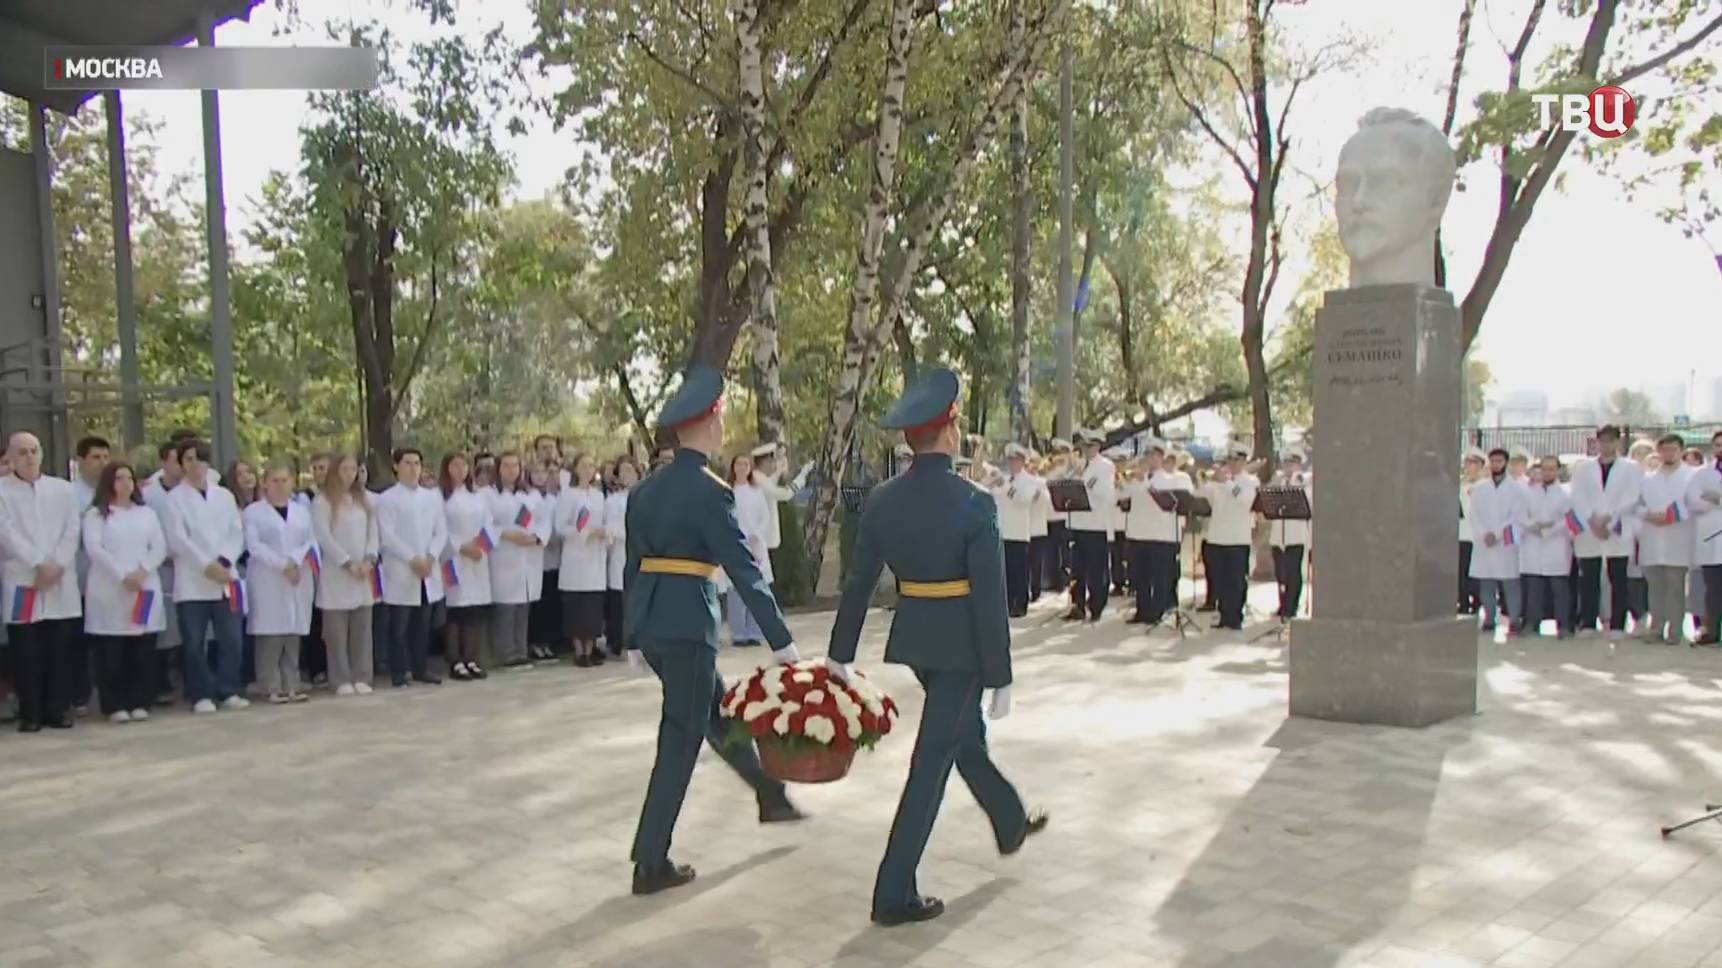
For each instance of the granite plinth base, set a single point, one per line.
(1384, 673)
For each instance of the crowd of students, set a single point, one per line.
(202, 586)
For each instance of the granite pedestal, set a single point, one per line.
(1383, 645)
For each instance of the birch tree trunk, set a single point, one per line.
(1021, 290)
(762, 288)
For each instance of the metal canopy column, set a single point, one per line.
(131, 408)
(57, 449)
(220, 301)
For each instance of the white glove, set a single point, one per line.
(839, 670)
(1001, 703)
(635, 661)
(788, 655)
(801, 478)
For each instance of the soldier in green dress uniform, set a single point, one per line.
(939, 533)
(681, 527)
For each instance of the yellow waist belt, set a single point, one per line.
(677, 566)
(934, 589)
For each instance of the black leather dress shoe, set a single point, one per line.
(27, 726)
(661, 879)
(64, 722)
(1037, 822)
(778, 809)
(1075, 615)
(920, 909)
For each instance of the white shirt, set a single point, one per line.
(776, 492)
(122, 542)
(517, 571)
(1496, 508)
(411, 524)
(1233, 502)
(83, 496)
(1099, 477)
(1705, 494)
(1615, 504)
(1040, 512)
(349, 537)
(585, 554)
(276, 605)
(753, 511)
(466, 513)
(1018, 495)
(1146, 520)
(204, 526)
(1666, 544)
(1547, 548)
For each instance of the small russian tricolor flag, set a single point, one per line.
(143, 606)
(1574, 525)
(1676, 513)
(450, 574)
(236, 596)
(1509, 536)
(23, 604)
(581, 519)
(485, 541)
(524, 518)
(377, 582)
(314, 561)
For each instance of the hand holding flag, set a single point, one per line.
(450, 574)
(23, 605)
(143, 607)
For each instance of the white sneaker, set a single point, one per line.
(345, 689)
(139, 715)
(203, 706)
(362, 688)
(236, 702)
(120, 717)
(278, 699)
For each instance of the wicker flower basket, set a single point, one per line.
(822, 765)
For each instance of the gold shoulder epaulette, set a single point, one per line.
(713, 475)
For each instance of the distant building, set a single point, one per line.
(1573, 417)
(1714, 410)
(1522, 408)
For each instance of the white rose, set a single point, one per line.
(875, 707)
(773, 687)
(853, 724)
(804, 677)
(844, 701)
(815, 697)
(781, 726)
(819, 729)
(755, 710)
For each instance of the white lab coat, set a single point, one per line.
(1547, 548)
(1494, 509)
(1099, 478)
(117, 545)
(1146, 521)
(83, 497)
(616, 530)
(203, 527)
(41, 522)
(1705, 494)
(277, 606)
(465, 513)
(1464, 511)
(346, 538)
(1017, 496)
(1234, 501)
(1287, 534)
(585, 556)
(410, 524)
(1666, 544)
(517, 571)
(752, 511)
(1615, 502)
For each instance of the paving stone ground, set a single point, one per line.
(1193, 825)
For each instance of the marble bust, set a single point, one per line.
(1395, 177)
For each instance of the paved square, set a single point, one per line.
(1193, 825)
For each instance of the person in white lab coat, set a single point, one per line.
(1475, 462)
(344, 515)
(1018, 493)
(544, 625)
(625, 476)
(1290, 540)
(1091, 531)
(1039, 528)
(282, 565)
(585, 572)
(466, 574)
(1497, 526)
(206, 538)
(1232, 494)
(1153, 533)
(123, 605)
(752, 511)
(1706, 495)
(1665, 542)
(94, 453)
(1546, 553)
(1604, 496)
(39, 584)
(413, 534)
(522, 524)
(153, 493)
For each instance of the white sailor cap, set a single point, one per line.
(1088, 436)
(1237, 450)
(1476, 454)
(904, 450)
(1014, 449)
(1059, 444)
(1151, 442)
(1294, 452)
(1519, 453)
(765, 450)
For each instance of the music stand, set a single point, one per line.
(1281, 504)
(1068, 494)
(1182, 504)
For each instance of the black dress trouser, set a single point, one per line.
(1288, 574)
(1016, 576)
(1230, 579)
(1092, 582)
(1590, 592)
(41, 670)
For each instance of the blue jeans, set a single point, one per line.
(1488, 589)
(202, 681)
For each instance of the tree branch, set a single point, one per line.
(682, 74)
(418, 356)
(1662, 59)
(1214, 135)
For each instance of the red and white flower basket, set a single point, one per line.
(807, 723)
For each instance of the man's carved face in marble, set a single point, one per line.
(1395, 176)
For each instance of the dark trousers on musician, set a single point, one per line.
(1590, 592)
(1038, 548)
(1057, 558)
(1467, 584)
(1092, 583)
(1156, 579)
(1210, 595)
(1230, 579)
(1288, 574)
(1120, 564)
(1016, 576)
(41, 672)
